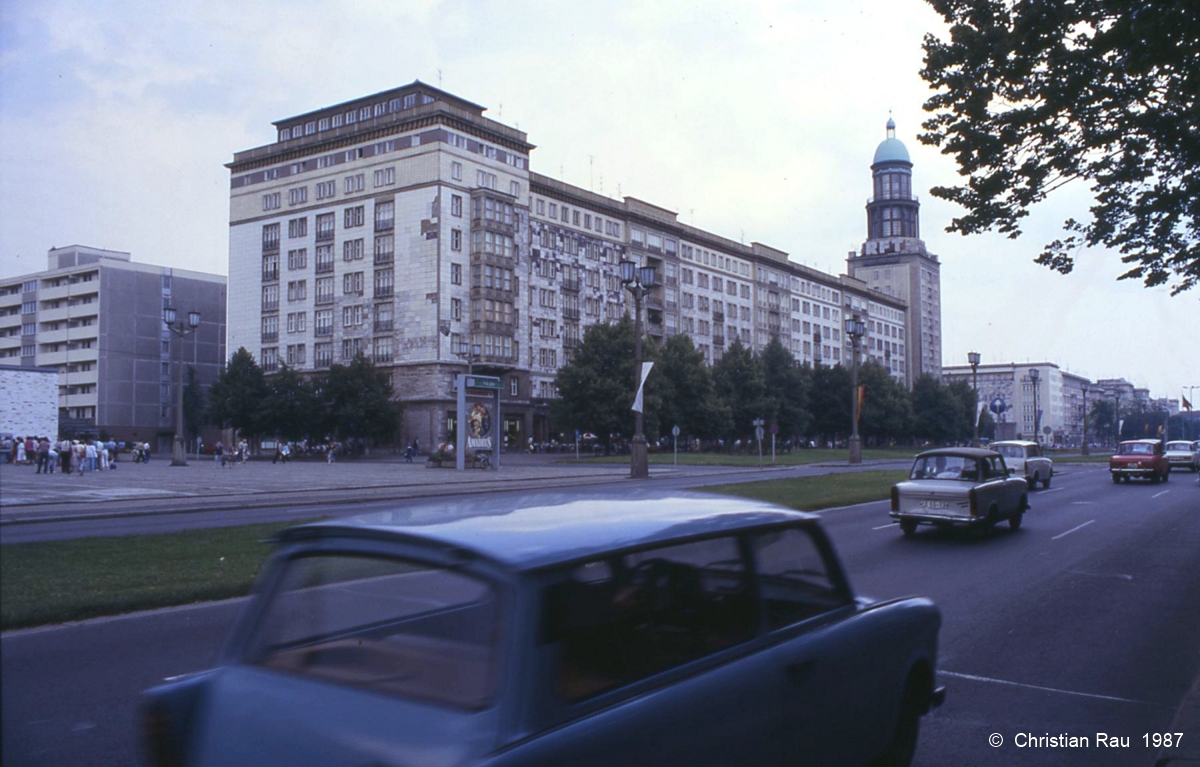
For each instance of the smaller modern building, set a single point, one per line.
(1007, 390)
(28, 401)
(96, 318)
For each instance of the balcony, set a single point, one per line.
(570, 312)
(323, 331)
(325, 235)
(570, 343)
(385, 259)
(270, 246)
(270, 275)
(270, 338)
(384, 291)
(385, 225)
(718, 317)
(654, 301)
(385, 326)
(571, 285)
(270, 306)
(324, 267)
(718, 340)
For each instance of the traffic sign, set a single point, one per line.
(675, 431)
(483, 382)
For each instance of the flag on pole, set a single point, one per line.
(637, 400)
(862, 396)
(1186, 405)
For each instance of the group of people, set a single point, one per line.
(66, 455)
(230, 456)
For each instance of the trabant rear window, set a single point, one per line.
(389, 625)
(1010, 451)
(1136, 448)
(950, 467)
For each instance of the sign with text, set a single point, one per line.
(483, 382)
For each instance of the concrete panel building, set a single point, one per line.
(409, 227)
(96, 317)
(28, 401)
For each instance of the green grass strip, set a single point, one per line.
(58, 581)
(794, 458)
(815, 493)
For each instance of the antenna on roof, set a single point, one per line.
(591, 178)
(439, 79)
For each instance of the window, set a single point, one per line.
(514, 188)
(270, 267)
(485, 179)
(270, 237)
(298, 227)
(270, 298)
(384, 349)
(296, 355)
(456, 171)
(384, 283)
(325, 226)
(385, 252)
(297, 322)
(298, 259)
(351, 348)
(385, 177)
(455, 309)
(324, 261)
(692, 600)
(455, 274)
(352, 315)
(323, 322)
(352, 283)
(270, 328)
(352, 217)
(456, 205)
(324, 287)
(548, 358)
(298, 290)
(384, 318)
(354, 183)
(298, 196)
(271, 201)
(352, 250)
(385, 216)
(326, 189)
(270, 359)
(455, 239)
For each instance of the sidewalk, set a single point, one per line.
(159, 488)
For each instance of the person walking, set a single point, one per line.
(219, 455)
(89, 454)
(43, 455)
(20, 457)
(64, 455)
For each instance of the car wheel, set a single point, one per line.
(908, 526)
(1116, 479)
(1014, 522)
(1046, 482)
(903, 747)
(1167, 476)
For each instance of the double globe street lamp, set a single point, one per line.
(182, 329)
(856, 329)
(1034, 377)
(973, 359)
(639, 281)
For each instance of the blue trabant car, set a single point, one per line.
(684, 630)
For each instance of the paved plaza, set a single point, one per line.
(158, 487)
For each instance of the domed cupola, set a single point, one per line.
(893, 211)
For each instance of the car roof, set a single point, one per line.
(1021, 442)
(1187, 442)
(971, 452)
(1140, 441)
(526, 533)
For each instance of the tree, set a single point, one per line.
(235, 398)
(289, 408)
(887, 412)
(1103, 420)
(738, 378)
(938, 411)
(685, 393)
(595, 389)
(193, 405)
(355, 401)
(829, 402)
(1033, 95)
(786, 391)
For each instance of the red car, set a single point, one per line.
(1140, 458)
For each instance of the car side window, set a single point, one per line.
(626, 618)
(794, 582)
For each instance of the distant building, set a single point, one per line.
(1007, 391)
(408, 227)
(96, 317)
(28, 401)
(894, 260)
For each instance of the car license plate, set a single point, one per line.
(934, 505)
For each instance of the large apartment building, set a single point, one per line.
(96, 316)
(409, 227)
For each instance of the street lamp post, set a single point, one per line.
(855, 328)
(1034, 377)
(973, 359)
(1086, 451)
(182, 329)
(639, 281)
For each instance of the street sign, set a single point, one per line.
(998, 406)
(758, 433)
(774, 428)
(492, 383)
(675, 431)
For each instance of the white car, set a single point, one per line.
(1182, 454)
(1026, 459)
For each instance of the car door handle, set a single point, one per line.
(799, 673)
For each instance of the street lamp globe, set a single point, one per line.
(973, 359)
(855, 328)
(639, 281)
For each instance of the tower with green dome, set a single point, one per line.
(895, 261)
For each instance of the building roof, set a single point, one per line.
(891, 150)
(530, 532)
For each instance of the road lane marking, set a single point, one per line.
(1045, 491)
(1082, 503)
(1122, 576)
(884, 527)
(972, 677)
(1073, 529)
(1159, 495)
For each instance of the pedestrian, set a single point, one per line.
(219, 455)
(51, 459)
(278, 454)
(286, 451)
(89, 454)
(329, 451)
(43, 455)
(20, 455)
(64, 454)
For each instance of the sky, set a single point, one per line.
(756, 121)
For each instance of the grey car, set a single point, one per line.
(959, 486)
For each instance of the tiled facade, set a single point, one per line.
(97, 317)
(406, 225)
(28, 401)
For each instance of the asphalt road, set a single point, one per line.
(1083, 622)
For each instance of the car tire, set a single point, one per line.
(1014, 522)
(1046, 482)
(1116, 479)
(1167, 476)
(908, 527)
(903, 747)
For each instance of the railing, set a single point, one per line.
(718, 316)
(383, 326)
(323, 331)
(384, 292)
(270, 338)
(270, 246)
(718, 340)
(270, 275)
(325, 235)
(386, 225)
(570, 343)
(324, 267)
(384, 259)
(570, 313)
(270, 306)
(572, 285)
